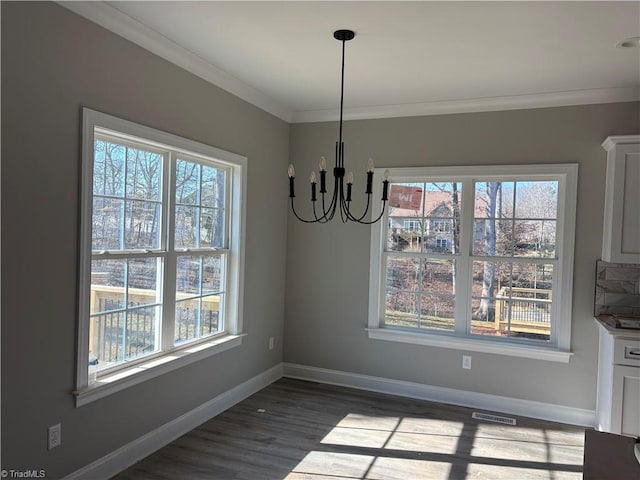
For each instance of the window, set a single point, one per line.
(412, 225)
(161, 248)
(492, 270)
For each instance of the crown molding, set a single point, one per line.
(123, 25)
(487, 104)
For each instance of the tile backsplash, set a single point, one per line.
(617, 288)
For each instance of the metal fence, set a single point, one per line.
(117, 335)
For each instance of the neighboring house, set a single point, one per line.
(406, 230)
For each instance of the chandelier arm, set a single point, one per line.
(315, 215)
(344, 210)
(366, 210)
(293, 209)
(371, 222)
(352, 217)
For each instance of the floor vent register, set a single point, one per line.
(493, 418)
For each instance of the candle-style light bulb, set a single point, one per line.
(387, 173)
(312, 177)
(323, 164)
(370, 165)
(291, 171)
(350, 178)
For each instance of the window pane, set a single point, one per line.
(187, 182)
(213, 181)
(489, 277)
(187, 318)
(402, 273)
(537, 200)
(186, 226)
(493, 237)
(105, 339)
(535, 276)
(211, 228)
(405, 199)
(212, 275)
(401, 309)
(404, 234)
(141, 331)
(143, 288)
(120, 336)
(535, 238)
(519, 305)
(437, 312)
(443, 200)
(107, 285)
(144, 171)
(440, 237)
(188, 276)
(106, 223)
(494, 200)
(437, 276)
(108, 169)
(142, 225)
(210, 321)
(483, 316)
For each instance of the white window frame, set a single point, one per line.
(559, 347)
(169, 357)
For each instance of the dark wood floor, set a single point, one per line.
(298, 430)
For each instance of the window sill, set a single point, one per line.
(471, 345)
(141, 372)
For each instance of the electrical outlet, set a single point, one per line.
(54, 436)
(270, 343)
(466, 362)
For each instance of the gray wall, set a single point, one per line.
(328, 265)
(53, 63)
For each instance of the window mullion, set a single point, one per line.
(171, 261)
(464, 267)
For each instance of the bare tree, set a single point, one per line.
(486, 309)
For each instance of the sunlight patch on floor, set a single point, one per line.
(334, 466)
(502, 472)
(370, 447)
(343, 465)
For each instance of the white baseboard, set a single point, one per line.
(484, 401)
(127, 455)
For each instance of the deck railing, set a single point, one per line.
(112, 339)
(526, 310)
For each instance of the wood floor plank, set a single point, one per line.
(297, 430)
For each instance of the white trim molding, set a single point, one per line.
(125, 456)
(484, 401)
(471, 105)
(166, 355)
(109, 17)
(471, 344)
(152, 368)
(112, 19)
(558, 346)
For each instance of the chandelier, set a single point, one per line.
(341, 197)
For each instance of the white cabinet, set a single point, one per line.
(621, 231)
(618, 402)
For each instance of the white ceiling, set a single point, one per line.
(408, 58)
